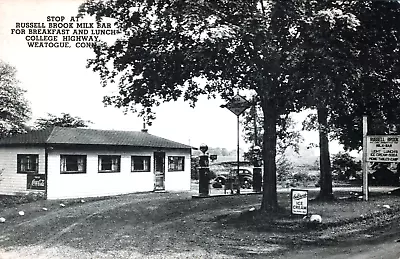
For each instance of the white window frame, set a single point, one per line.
(27, 163)
(80, 164)
(115, 163)
(176, 163)
(145, 162)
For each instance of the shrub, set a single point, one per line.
(284, 169)
(304, 177)
(344, 166)
(382, 175)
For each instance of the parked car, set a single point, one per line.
(245, 178)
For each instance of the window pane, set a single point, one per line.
(27, 163)
(176, 163)
(140, 164)
(73, 163)
(109, 163)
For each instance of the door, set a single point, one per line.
(159, 171)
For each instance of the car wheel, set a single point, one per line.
(247, 184)
(220, 180)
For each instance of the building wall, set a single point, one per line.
(12, 182)
(178, 181)
(93, 184)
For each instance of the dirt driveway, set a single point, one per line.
(150, 225)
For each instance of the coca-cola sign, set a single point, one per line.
(36, 182)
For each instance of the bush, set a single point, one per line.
(344, 167)
(284, 169)
(383, 175)
(305, 177)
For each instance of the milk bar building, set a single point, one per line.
(79, 162)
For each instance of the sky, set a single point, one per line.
(57, 81)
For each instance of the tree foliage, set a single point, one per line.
(65, 120)
(292, 54)
(350, 62)
(345, 166)
(288, 136)
(363, 66)
(14, 108)
(167, 46)
(378, 91)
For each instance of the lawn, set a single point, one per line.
(173, 225)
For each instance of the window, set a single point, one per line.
(109, 164)
(73, 164)
(27, 163)
(176, 163)
(140, 164)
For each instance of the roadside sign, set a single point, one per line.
(383, 148)
(213, 157)
(299, 202)
(238, 104)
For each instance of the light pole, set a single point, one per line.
(237, 105)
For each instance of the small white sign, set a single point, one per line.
(299, 202)
(381, 148)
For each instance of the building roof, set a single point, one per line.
(84, 136)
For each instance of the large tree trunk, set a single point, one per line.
(269, 201)
(326, 192)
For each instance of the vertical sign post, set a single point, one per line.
(237, 105)
(238, 154)
(364, 159)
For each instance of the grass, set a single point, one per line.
(163, 225)
(341, 219)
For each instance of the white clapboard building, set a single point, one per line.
(80, 162)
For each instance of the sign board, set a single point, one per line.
(213, 157)
(36, 182)
(237, 105)
(383, 148)
(299, 202)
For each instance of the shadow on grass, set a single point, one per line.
(152, 223)
(342, 222)
(148, 224)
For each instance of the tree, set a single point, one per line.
(65, 120)
(329, 66)
(167, 46)
(378, 91)
(359, 66)
(14, 108)
(287, 134)
(261, 46)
